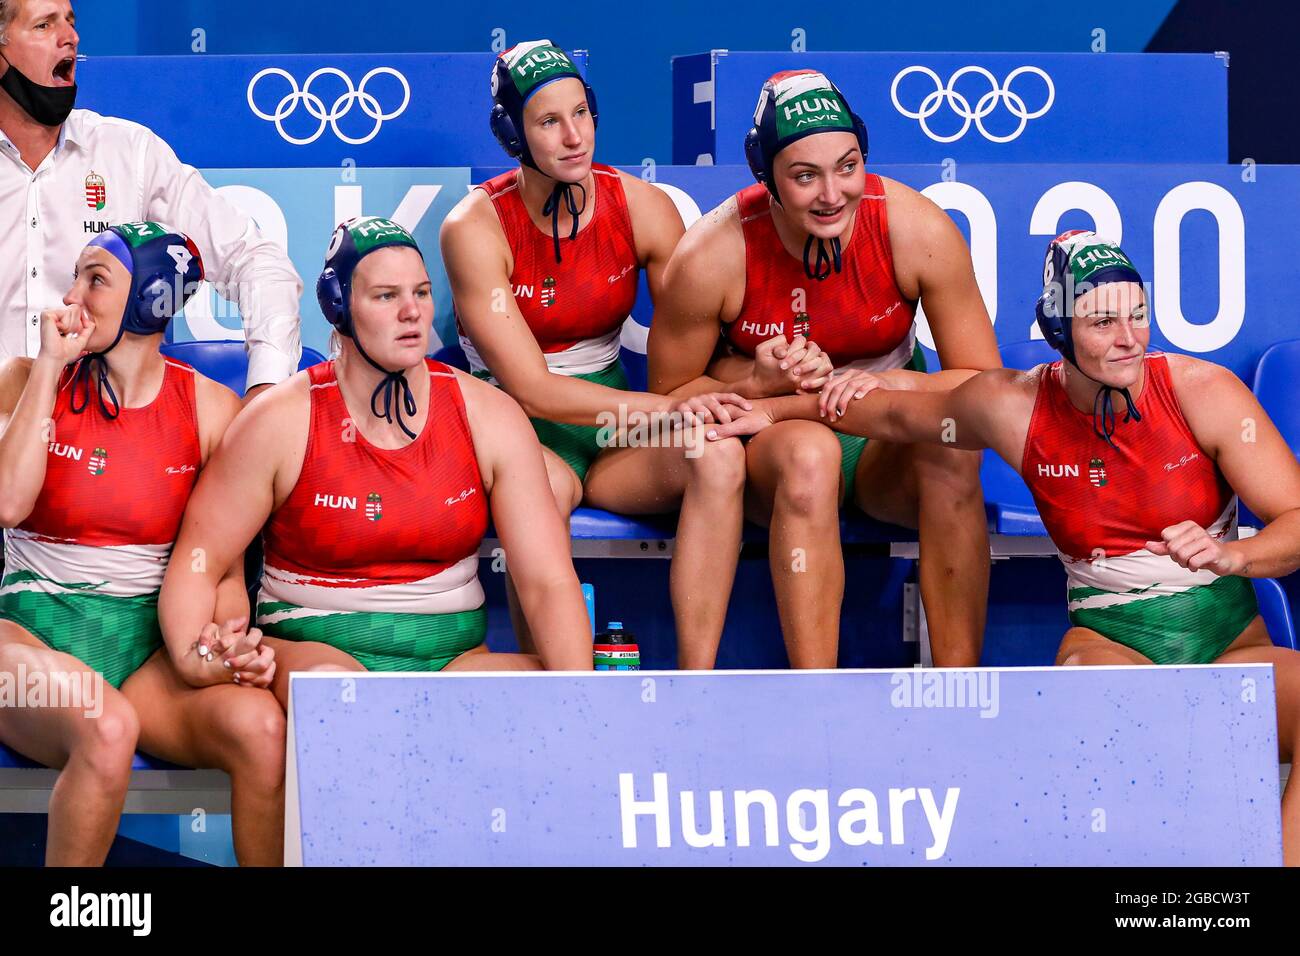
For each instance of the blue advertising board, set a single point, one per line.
(392, 109)
(299, 209)
(976, 107)
(1098, 766)
(631, 46)
(1212, 240)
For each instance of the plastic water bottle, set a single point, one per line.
(616, 649)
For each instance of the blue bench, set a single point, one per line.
(1275, 383)
(1013, 521)
(156, 786)
(1275, 387)
(226, 361)
(603, 534)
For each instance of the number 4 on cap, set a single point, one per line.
(182, 256)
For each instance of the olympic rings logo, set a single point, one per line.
(288, 105)
(983, 107)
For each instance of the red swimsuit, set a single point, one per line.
(83, 570)
(575, 308)
(1101, 505)
(857, 316)
(374, 529)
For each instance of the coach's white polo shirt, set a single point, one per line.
(105, 171)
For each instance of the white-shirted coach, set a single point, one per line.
(67, 174)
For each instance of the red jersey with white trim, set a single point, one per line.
(122, 481)
(1095, 499)
(362, 518)
(857, 315)
(590, 293)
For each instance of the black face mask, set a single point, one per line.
(48, 105)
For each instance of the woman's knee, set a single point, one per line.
(951, 474)
(1082, 647)
(331, 667)
(565, 487)
(1069, 645)
(718, 465)
(808, 470)
(255, 733)
(16, 657)
(106, 743)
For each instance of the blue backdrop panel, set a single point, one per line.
(300, 207)
(1211, 240)
(631, 45)
(394, 109)
(1086, 766)
(977, 107)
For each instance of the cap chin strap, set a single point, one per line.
(563, 192)
(95, 364)
(1103, 411)
(385, 389)
(822, 268)
(1103, 406)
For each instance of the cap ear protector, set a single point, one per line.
(333, 303)
(1050, 311)
(351, 242)
(331, 297)
(166, 269)
(767, 136)
(539, 62)
(505, 131)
